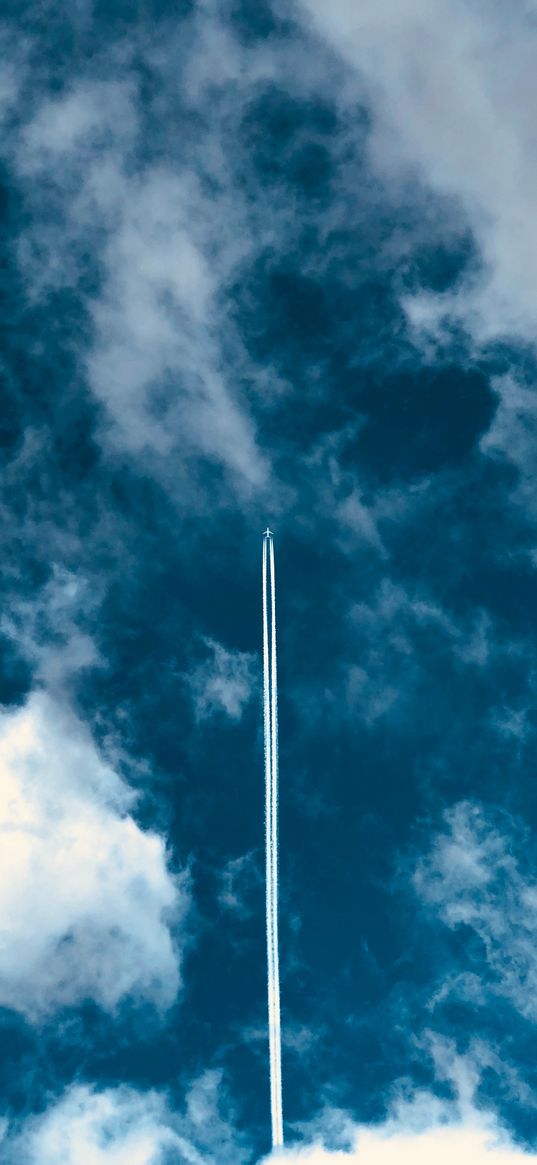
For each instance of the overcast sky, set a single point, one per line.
(268, 262)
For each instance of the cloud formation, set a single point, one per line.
(477, 876)
(122, 1126)
(165, 238)
(471, 1145)
(451, 86)
(49, 629)
(87, 900)
(224, 682)
(420, 1126)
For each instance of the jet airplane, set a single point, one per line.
(268, 533)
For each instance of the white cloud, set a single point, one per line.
(164, 361)
(124, 1127)
(420, 1128)
(87, 1128)
(49, 628)
(453, 86)
(224, 682)
(442, 1146)
(156, 364)
(473, 878)
(120, 1126)
(86, 897)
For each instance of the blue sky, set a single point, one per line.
(268, 262)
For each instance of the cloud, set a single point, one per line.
(421, 1127)
(239, 879)
(511, 436)
(89, 1128)
(49, 629)
(87, 901)
(121, 1126)
(396, 632)
(452, 86)
(156, 365)
(476, 875)
(158, 237)
(91, 115)
(467, 1144)
(398, 645)
(224, 682)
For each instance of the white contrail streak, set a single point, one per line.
(274, 831)
(270, 708)
(268, 823)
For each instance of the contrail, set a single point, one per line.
(270, 709)
(268, 824)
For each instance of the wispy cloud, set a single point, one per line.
(50, 630)
(238, 879)
(401, 635)
(478, 876)
(159, 239)
(224, 682)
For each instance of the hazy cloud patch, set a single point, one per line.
(477, 876)
(224, 682)
(50, 629)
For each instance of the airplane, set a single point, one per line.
(268, 533)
